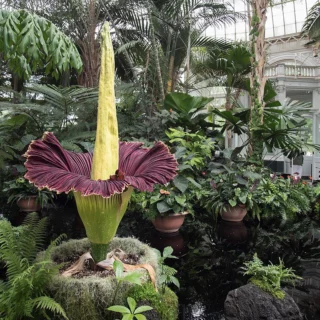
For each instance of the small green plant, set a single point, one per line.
(23, 293)
(133, 312)
(269, 278)
(133, 277)
(167, 274)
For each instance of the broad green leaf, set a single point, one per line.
(140, 317)
(120, 309)
(128, 317)
(162, 207)
(118, 269)
(143, 309)
(132, 304)
(175, 281)
(167, 251)
(181, 200)
(181, 183)
(195, 183)
(180, 152)
(133, 277)
(232, 203)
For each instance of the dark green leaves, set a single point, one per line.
(30, 42)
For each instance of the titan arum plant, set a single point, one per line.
(101, 182)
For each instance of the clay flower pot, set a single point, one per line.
(29, 204)
(234, 214)
(169, 223)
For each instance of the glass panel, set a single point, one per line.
(289, 18)
(301, 12)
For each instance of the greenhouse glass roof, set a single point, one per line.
(284, 18)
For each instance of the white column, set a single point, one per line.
(281, 91)
(316, 99)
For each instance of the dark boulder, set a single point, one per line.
(251, 303)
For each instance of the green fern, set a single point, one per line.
(269, 278)
(23, 293)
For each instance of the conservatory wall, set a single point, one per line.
(292, 67)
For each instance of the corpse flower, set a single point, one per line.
(102, 181)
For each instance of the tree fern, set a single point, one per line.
(23, 293)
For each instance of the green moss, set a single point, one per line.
(275, 292)
(165, 304)
(88, 298)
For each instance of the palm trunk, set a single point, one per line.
(188, 59)
(228, 108)
(156, 54)
(171, 71)
(89, 48)
(257, 78)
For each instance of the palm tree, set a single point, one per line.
(228, 69)
(311, 27)
(161, 35)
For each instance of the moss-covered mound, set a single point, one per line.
(164, 303)
(88, 297)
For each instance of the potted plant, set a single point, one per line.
(232, 188)
(26, 195)
(166, 206)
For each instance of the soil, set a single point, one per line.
(99, 272)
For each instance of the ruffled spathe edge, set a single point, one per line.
(50, 166)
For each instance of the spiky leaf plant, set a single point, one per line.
(23, 293)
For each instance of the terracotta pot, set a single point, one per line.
(169, 223)
(160, 240)
(29, 204)
(233, 232)
(234, 214)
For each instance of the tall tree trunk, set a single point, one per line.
(90, 49)
(228, 107)
(257, 78)
(188, 56)
(171, 71)
(156, 54)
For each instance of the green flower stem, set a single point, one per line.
(101, 218)
(99, 251)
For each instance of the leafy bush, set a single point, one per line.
(23, 293)
(269, 278)
(233, 183)
(284, 197)
(192, 151)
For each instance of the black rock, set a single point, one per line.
(251, 303)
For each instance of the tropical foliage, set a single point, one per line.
(29, 42)
(23, 295)
(269, 278)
